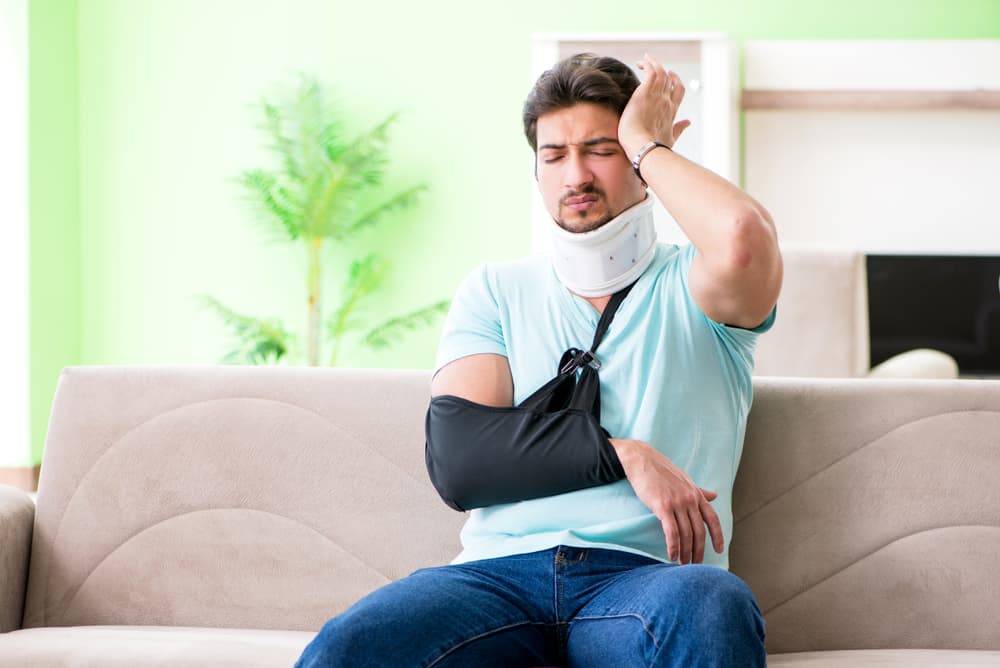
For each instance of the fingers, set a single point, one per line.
(673, 536)
(686, 534)
(685, 523)
(661, 86)
(668, 491)
(680, 127)
(676, 87)
(668, 79)
(656, 76)
(699, 517)
(714, 526)
(698, 544)
(685, 531)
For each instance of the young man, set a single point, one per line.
(615, 574)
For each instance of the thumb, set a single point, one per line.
(680, 127)
(709, 494)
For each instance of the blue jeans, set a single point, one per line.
(586, 608)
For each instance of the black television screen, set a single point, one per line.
(945, 302)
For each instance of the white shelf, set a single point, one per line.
(871, 100)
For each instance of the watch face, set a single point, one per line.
(642, 154)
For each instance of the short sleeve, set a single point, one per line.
(473, 324)
(739, 342)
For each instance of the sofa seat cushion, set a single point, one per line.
(177, 647)
(885, 658)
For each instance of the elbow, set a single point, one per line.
(751, 244)
(742, 277)
(754, 268)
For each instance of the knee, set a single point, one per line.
(337, 644)
(719, 619)
(722, 599)
(721, 587)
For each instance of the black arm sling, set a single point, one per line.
(551, 443)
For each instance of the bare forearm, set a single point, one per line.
(706, 206)
(736, 276)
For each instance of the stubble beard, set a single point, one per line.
(562, 221)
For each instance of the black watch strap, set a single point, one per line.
(642, 154)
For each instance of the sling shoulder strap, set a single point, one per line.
(585, 393)
(589, 357)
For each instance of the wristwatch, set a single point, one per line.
(642, 154)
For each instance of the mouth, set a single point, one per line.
(580, 202)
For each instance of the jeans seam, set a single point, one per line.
(560, 591)
(635, 615)
(561, 628)
(479, 637)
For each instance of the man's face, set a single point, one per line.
(583, 173)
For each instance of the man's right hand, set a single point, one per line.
(681, 506)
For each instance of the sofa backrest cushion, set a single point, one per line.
(231, 496)
(822, 325)
(867, 513)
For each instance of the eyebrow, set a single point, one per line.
(589, 142)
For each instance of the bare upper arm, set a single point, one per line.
(484, 379)
(741, 289)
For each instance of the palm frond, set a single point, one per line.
(365, 277)
(308, 136)
(402, 200)
(310, 110)
(335, 195)
(283, 145)
(366, 157)
(260, 341)
(331, 199)
(277, 201)
(319, 120)
(391, 330)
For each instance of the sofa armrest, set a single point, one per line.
(17, 519)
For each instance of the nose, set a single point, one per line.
(577, 173)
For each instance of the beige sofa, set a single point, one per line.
(217, 516)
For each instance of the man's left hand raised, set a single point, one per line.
(650, 113)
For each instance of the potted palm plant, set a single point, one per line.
(319, 196)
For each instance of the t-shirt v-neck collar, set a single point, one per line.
(584, 313)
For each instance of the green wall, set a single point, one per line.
(165, 124)
(53, 203)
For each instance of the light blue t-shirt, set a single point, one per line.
(670, 376)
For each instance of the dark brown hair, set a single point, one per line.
(584, 77)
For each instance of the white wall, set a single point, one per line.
(14, 445)
(879, 181)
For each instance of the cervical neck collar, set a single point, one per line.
(605, 260)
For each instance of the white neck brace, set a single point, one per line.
(605, 260)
